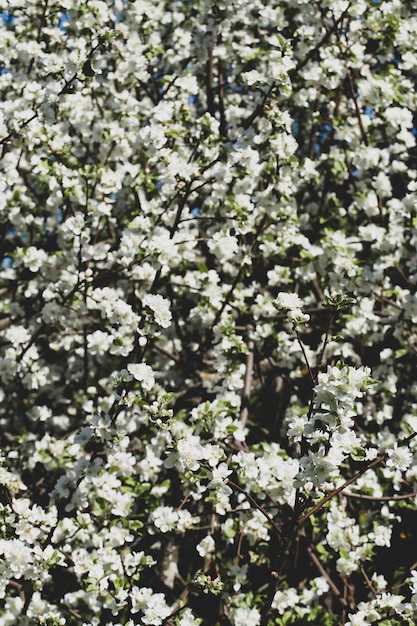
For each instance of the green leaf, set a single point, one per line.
(358, 453)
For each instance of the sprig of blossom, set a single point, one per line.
(172, 174)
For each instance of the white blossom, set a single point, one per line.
(143, 373)
(160, 308)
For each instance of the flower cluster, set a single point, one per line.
(208, 280)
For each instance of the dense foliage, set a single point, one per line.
(208, 228)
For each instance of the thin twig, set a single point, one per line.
(357, 110)
(367, 580)
(320, 360)
(247, 123)
(323, 572)
(316, 50)
(303, 350)
(350, 481)
(362, 496)
(256, 504)
(262, 225)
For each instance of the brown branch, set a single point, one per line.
(167, 353)
(303, 350)
(247, 123)
(238, 276)
(211, 107)
(256, 504)
(320, 360)
(350, 481)
(222, 82)
(367, 580)
(362, 496)
(357, 110)
(323, 572)
(316, 50)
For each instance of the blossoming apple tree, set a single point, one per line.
(208, 225)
